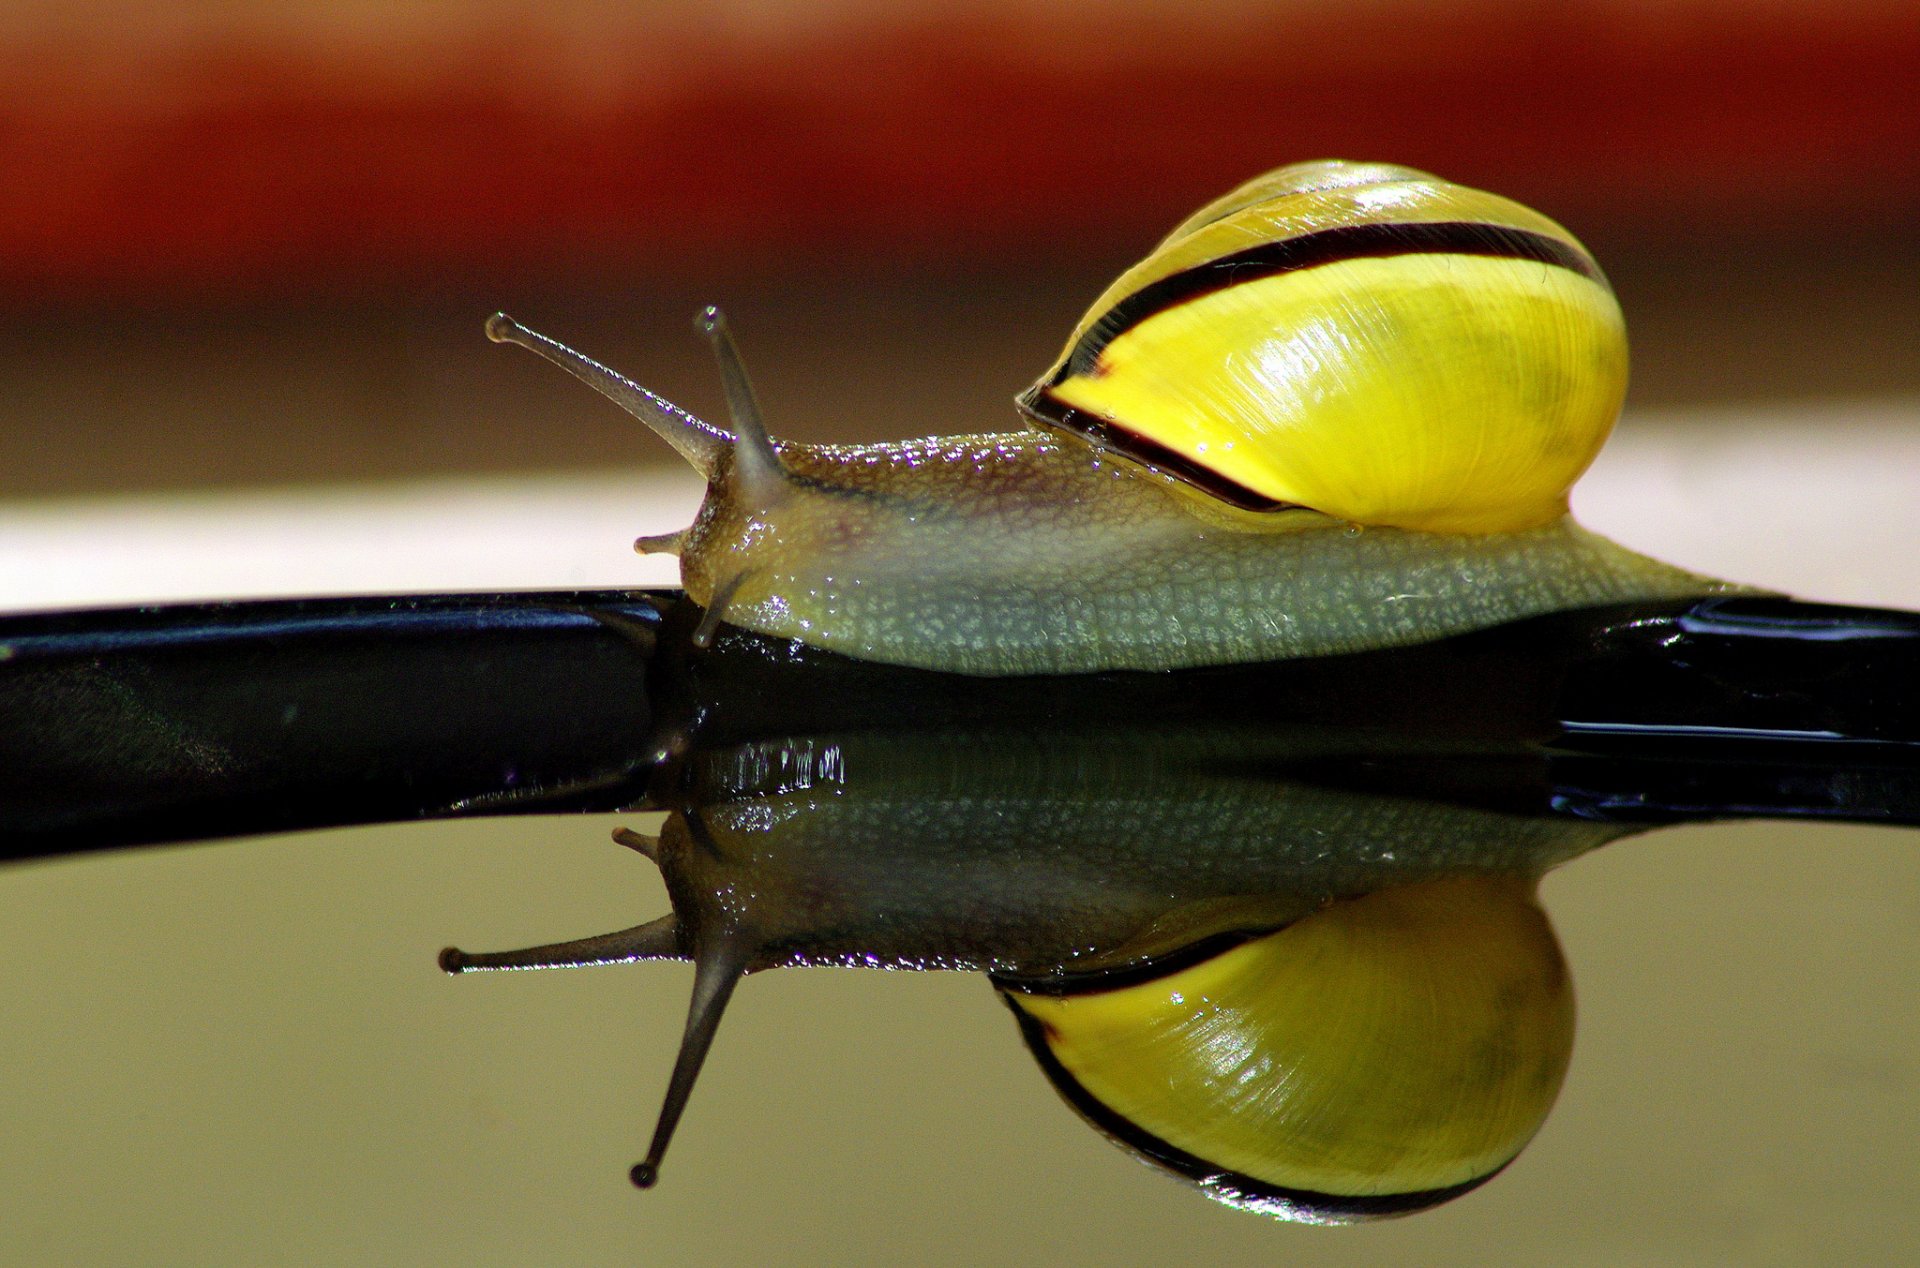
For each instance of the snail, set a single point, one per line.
(1338, 409)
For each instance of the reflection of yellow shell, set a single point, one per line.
(1380, 1056)
(1366, 340)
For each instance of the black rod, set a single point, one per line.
(173, 723)
(157, 724)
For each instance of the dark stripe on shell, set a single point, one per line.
(1329, 246)
(1232, 1187)
(1044, 407)
(1094, 981)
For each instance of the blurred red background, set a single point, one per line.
(231, 147)
(243, 243)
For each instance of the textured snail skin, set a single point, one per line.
(1020, 553)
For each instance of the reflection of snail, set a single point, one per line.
(1069, 859)
(1379, 1057)
(1329, 346)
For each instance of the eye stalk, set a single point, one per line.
(694, 440)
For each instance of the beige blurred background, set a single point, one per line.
(245, 255)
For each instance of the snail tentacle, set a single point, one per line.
(757, 470)
(716, 612)
(699, 442)
(661, 543)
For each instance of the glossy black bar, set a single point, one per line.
(178, 723)
(1745, 708)
(1639, 713)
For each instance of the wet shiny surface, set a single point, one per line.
(833, 848)
(247, 1051)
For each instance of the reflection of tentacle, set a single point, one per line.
(536, 792)
(656, 940)
(717, 970)
(644, 635)
(638, 842)
(722, 955)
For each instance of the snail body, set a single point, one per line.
(1338, 409)
(1020, 553)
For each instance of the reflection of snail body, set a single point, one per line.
(1108, 872)
(1333, 345)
